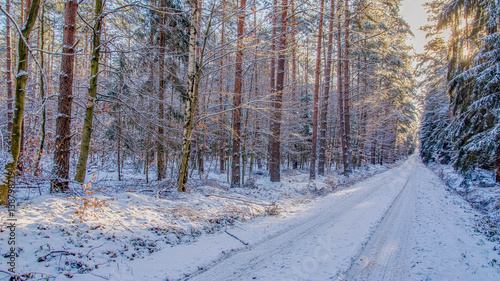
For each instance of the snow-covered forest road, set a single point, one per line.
(415, 231)
(398, 225)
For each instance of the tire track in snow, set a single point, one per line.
(280, 249)
(384, 255)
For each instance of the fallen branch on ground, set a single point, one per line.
(44, 258)
(243, 242)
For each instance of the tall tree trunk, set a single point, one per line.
(373, 153)
(65, 100)
(146, 161)
(27, 7)
(275, 141)
(160, 153)
(152, 68)
(21, 80)
(346, 103)
(81, 167)
(221, 92)
(198, 138)
(324, 105)
(238, 84)
(364, 134)
(9, 69)
(273, 67)
(119, 146)
(312, 168)
(192, 96)
(273, 48)
(42, 90)
(340, 79)
(293, 150)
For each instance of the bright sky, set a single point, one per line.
(415, 15)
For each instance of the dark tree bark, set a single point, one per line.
(273, 48)
(340, 80)
(238, 84)
(221, 93)
(272, 77)
(63, 120)
(275, 141)
(42, 90)
(346, 155)
(312, 168)
(324, 105)
(160, 149)
(294, 156)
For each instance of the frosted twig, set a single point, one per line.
(13, 276)
(87, 255)
(243, 242)
(106, 278)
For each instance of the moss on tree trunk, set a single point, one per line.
(17, 122)
(81, 167)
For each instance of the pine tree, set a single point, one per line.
(275, 139)
(63, 120)
(312, 168)
(238, 84)
(326, 94)
(435, 142)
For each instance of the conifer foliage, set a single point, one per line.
(468, 132)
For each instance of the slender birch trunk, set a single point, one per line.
(312, 168)
(192, 97)
(17, 121)
(81, 167)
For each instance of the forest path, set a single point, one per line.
(318, 242)
(399, 225)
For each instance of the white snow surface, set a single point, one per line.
(401, 224)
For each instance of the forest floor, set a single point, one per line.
(401, 224)
(108, 225)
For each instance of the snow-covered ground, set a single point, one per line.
(110, 224)
(401, 224)
(477, 187)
